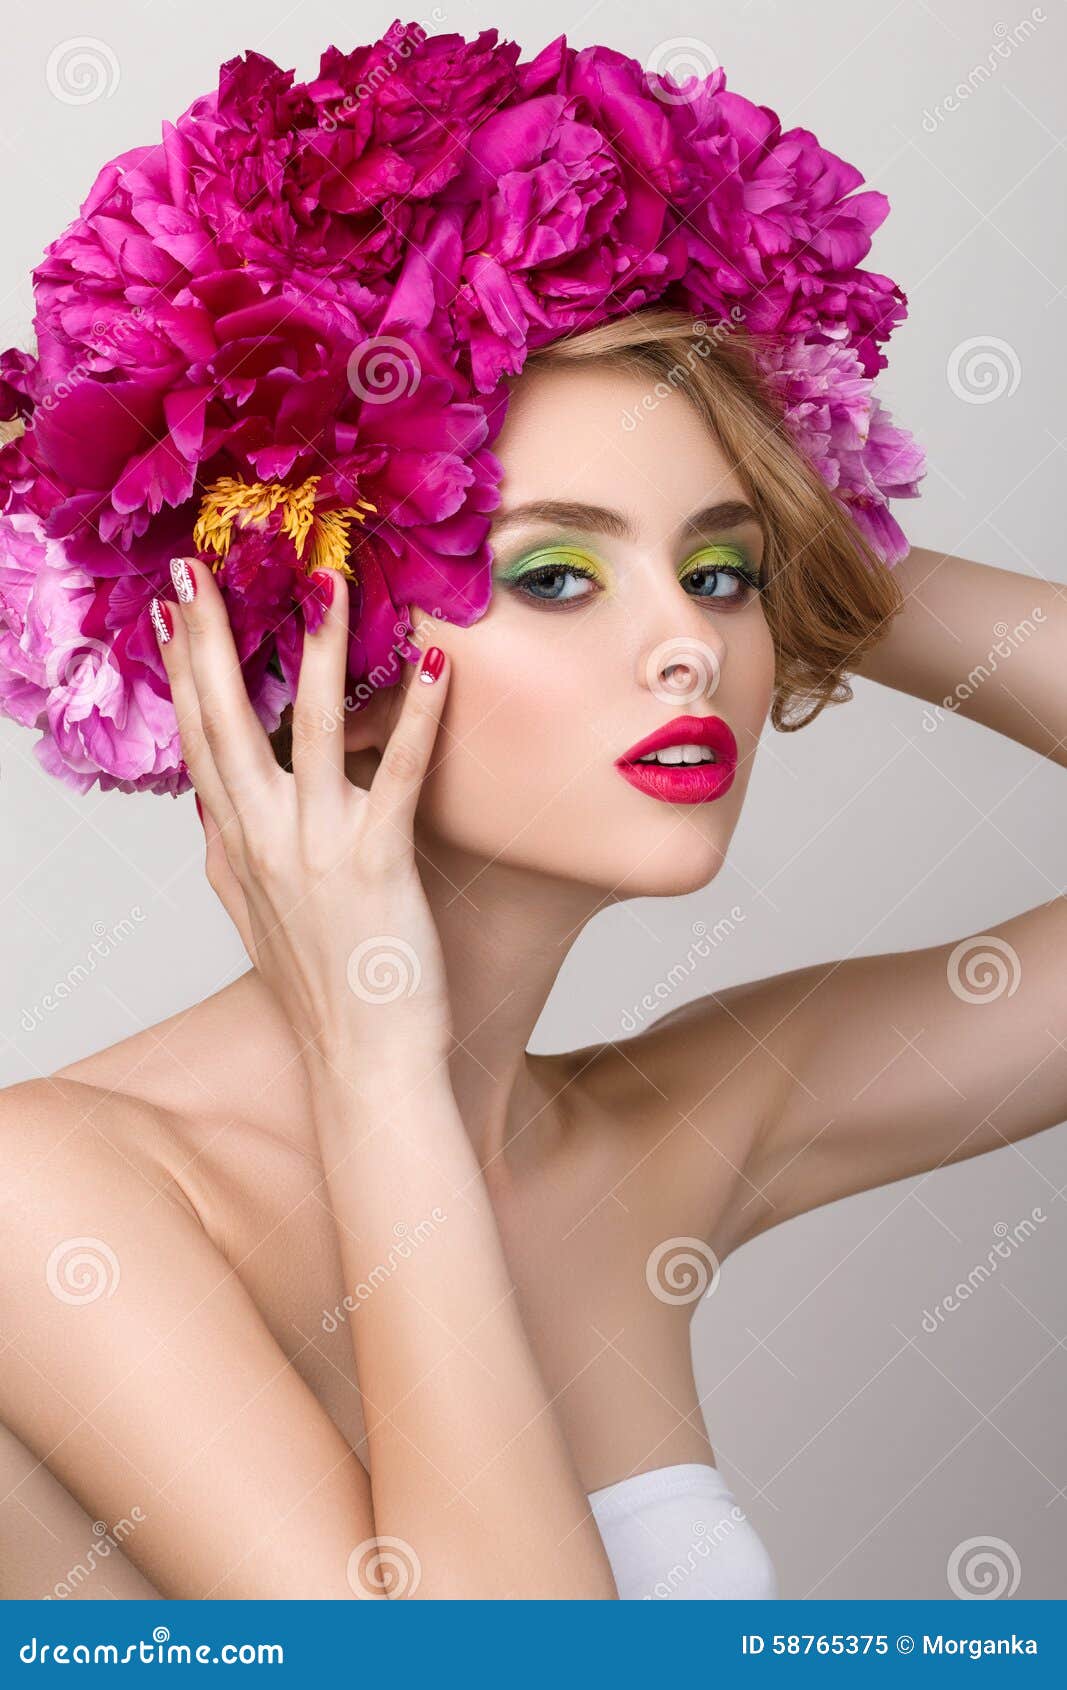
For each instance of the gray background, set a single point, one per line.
(864, 1449)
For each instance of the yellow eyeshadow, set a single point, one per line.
(720, 557)
(557, 557)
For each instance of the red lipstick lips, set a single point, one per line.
(683, 783)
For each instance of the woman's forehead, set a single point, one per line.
(566, 437)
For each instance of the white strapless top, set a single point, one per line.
(677, 1532)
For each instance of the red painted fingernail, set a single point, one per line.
(323, 579)
(183, 578)
(161, 620)
(432, 664)
(199, 806)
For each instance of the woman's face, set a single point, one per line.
(601, 630)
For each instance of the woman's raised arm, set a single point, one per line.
(976, 641)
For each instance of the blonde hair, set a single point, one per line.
(828, 597)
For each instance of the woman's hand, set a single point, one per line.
(318, 875)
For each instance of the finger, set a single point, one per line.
(394, 791)
(173, 642)
(224, 883)
(235, 735)
(319, 705)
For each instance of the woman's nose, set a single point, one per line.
(682, 668)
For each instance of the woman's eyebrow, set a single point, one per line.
(597, 519)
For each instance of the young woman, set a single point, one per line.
(326, 1287)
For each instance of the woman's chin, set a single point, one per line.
(683, 864)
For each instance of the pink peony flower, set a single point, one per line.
(771, 221)
(280, 338)
(839, 424)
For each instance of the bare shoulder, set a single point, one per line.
(139, 1369)
(58, 1132)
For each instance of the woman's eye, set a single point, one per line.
(725, 583)
(556, 583)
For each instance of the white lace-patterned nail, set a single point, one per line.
(159, 621)
(182, 576)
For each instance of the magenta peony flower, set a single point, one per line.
(571, 219)
(280, 339)
(771, 221)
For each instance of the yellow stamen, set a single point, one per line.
(229, 502)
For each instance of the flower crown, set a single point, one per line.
(281, 337)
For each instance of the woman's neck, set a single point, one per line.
(505, 932)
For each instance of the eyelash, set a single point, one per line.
(740, 572)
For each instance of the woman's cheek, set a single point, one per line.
(513, 736)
